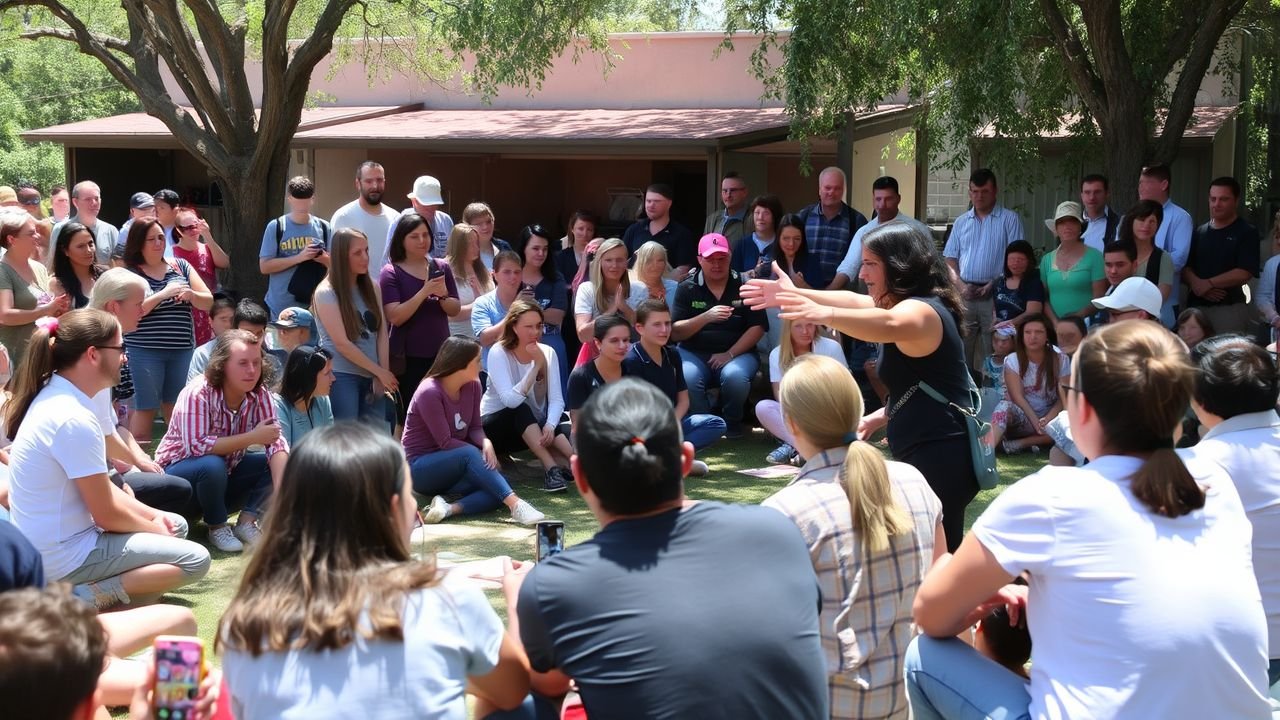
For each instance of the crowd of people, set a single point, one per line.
(399, 360)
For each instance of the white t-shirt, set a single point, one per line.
(584, 302)
(505, 373)
(1039, 398)
(60, 440)
(821, 346)
(450, 633)
(1248, 447)
(375, 227)
(1134, 615)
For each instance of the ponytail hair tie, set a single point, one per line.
(850, 437)
(637, 440)
(48, 323)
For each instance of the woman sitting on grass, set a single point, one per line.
(334, 618)
(1135, 563)
(873, 528)
(522, 405)
(1031, 376)
(445, 442)
(303, 402)
(799, 338)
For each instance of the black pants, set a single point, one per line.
(948, 468)
(169, 493)
(415, 368)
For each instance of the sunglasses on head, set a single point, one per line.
(188, 228)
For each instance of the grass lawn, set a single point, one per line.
(493, 534)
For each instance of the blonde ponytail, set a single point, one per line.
(876, 513)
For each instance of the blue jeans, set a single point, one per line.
(158, 375)
(702, 430)
(215, 489)
(352, 399)
(947, 678)
(734, 381)
(460, 470)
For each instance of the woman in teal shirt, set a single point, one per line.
(303, 402)
(1073, 273)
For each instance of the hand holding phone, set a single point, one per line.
(178, 672)
(549, 536)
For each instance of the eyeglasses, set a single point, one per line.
(119, 348)
(1070, 388)
(29, 203)
(188, 228)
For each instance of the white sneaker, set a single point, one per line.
(438, 510)
(526, 514)
(223, 539)
(248, 533)
(698, 469)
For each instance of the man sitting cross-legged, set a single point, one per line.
(649, 617)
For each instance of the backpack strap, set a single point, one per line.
(279, 232)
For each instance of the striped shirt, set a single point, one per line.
(866, 601)
(168, 326)
(201, 417)
(979, 243)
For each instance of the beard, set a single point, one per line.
(373, 197)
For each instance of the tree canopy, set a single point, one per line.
(1125, 72)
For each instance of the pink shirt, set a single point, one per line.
(202, 260)
(201, 418)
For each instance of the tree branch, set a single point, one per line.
(1091, 88)
(1208, 34)
(106, 41)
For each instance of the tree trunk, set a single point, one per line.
(251, 200)
(1125, 148)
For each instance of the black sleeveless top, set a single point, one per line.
(921, 419)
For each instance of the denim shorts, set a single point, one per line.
(158, 375)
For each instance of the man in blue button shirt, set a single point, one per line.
(975, 254)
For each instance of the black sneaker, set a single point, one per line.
(554, 480)
(734, 430)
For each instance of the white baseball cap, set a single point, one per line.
(426, 190)
(1135, 293)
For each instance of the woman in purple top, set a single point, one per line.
(418, 296)
(445, 443)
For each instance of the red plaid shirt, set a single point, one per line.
(201, 417)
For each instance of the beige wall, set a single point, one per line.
(650, 71)
(876, 156)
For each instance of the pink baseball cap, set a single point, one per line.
(713, 243)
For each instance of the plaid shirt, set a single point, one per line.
(866, 602)
(828, 240)
(201, 417)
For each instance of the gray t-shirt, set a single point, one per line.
(295, 238)
(366, 340)
(450, 633)
(650, 619)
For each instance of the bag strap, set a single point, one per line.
(279, 232)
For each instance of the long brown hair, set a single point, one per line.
(47, 353)
(333, 564)
(341, 279)
(455, 254)
(215, 373)
(454, 355)
(1137, 377)
(517, 309)
(1048, 371)
(138, 230)
(913, 267)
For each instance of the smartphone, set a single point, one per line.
(526, 288)
(179, 668)
(433, 270)
(550, 538)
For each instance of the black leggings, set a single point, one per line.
(415, 368)
(948, 468)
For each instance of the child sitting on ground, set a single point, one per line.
(1002, 343)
